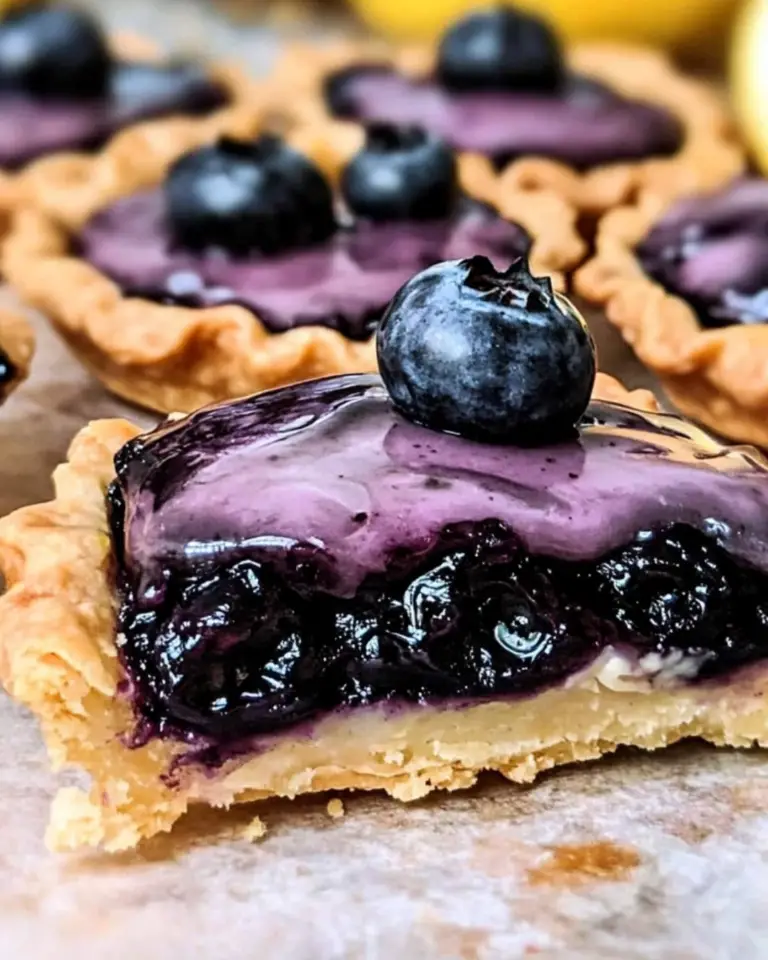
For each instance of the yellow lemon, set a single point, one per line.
(692, 25)
(749, 75)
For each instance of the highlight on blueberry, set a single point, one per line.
(402, 173)
(488, 355)
(501, 48)
(53, 51)
(248, 196)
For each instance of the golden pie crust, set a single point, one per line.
(718, 377)
(18, 342)
(711, 154)
(171, 358)
(58, 655)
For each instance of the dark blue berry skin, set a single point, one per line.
(402, 173)
(179, 85)
(53, 52)
(493, 357)
(248, 197)
(8, 370)
(336, 87)
(500, 49)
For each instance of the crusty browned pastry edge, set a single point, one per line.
(58, 653)
(174, 358)
(711, 154)
(718, 377)
(18, 342)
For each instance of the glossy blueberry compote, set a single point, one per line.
(60, 88)
(257, 225)
(713, 252)
(309, 549)
(500, 88)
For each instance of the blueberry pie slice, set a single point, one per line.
(687, 285)
(596, 123)
(388, 584)
(243, 266)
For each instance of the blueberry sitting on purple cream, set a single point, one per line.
(334, 546)
(489, 355)
(501, 87)
(257, 224)
(61, 87)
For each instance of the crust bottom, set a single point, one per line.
(413, 752)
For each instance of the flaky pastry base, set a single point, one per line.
(172, 358)
(718, 377)
(18, 342)
(58, 656)
(710, 156)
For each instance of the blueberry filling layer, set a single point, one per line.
(581, 123)
(289, 554)
(713, 252)
(32, 126)
(344, 282)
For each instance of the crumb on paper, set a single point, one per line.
(335, 808)
(254, 830)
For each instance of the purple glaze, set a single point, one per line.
(31, 127)
(344, 283)
(713, 252)
(585, 125)
(330, 464)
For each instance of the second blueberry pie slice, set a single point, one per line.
(389, 584)
(243, 266)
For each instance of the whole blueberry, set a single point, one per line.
(243, 197)
(494, 357)
(500, 49)
(402, 173)
(54, 52)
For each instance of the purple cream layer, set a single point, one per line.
(713, 252)
(344, 283)
(585, 125)
(329, 463)
(31, 127)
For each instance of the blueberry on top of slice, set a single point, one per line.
(402, 173)
(500, 49)
(248, 196)
(54, 52)
(491, 356)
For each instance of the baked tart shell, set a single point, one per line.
(709, 157)
(172, 358)
(718, 377)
